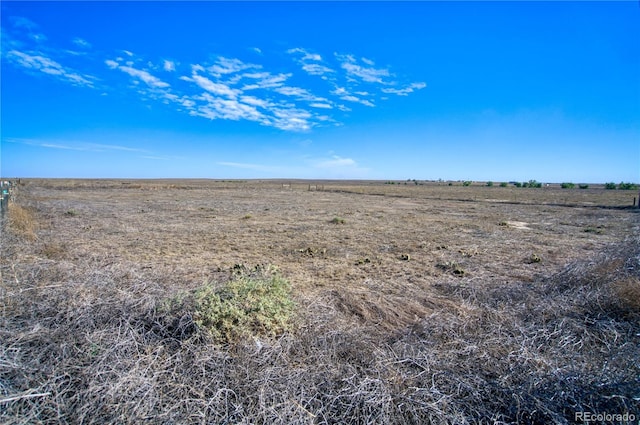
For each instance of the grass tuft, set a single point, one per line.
(255, 302)
(22, 221)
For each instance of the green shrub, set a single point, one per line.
(583, 186)
(517, 184)
(254, 302)
(337, 220)
(627, 186)
(531, 183)
(567, 185)
(610, 186)
(489, 184)
(503, 184)
(466, 183)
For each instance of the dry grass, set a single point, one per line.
(22, 221)
(83, 340)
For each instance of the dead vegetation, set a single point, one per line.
(89, 333)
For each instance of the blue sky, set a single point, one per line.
(370, 90)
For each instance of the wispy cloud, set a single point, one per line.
(27, 27)
(75, 146)
(39, 62)
(405, 91)
(310, 62)
(145, 76)
(336, 161)
(169, 66)
(221, 88)
(225, 65)
(82, 43)
(367, 73)
(265, 80)
(351, 98)
(140, 74)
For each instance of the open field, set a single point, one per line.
(414, 303)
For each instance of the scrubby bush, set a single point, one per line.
(517, 184)
(489, 184)
(466, 183)
(583, 186)
(610, 186)
(254, 302)
(567, 185)
(627, 186)
(532, 183)
(503, 184)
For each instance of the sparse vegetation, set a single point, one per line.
(583, 186)
(466, 183)
(504, 184)
(531, 183)
(254, 303)
(489, 184)
(22, 221)
(338, 220)
(627, 186)
(610, 186)
(121, 317)
(567, 185)
(452, 267)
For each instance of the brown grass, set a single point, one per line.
(83, 340)
(22, 221)
(627, 291)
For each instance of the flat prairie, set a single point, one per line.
(415, 302)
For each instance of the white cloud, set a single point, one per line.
(145, 76)
(309, 62)
(356, 99)
(321, 105)
(316, 69)
(169, 66)
(300, 93)
(75, 146)
(49, 66)
(405, 91)
(291, 119)
(266, 80)
(252, 100)
(81, 43)
(22, 22)
(345, 95)
(306, 55)
(219, 89)
(368, 61)
(257, 50)
(228, 66)
(128, 53)
(112, 64)
(368, 73)
(336, 161)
